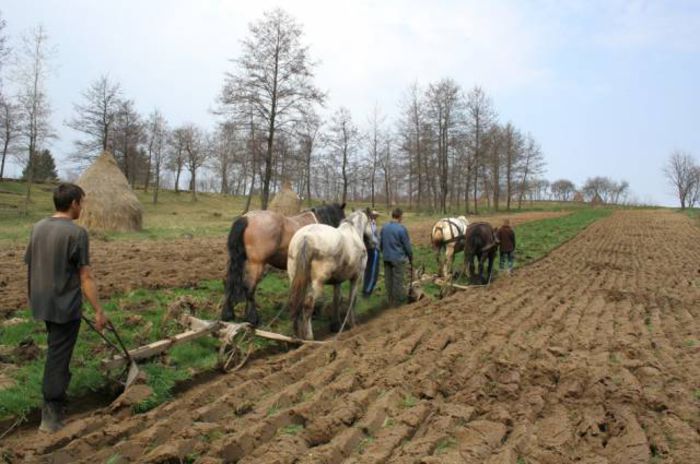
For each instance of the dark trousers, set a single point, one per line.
(61, 341)
(393, 278)
(506, 255)
(371, 272)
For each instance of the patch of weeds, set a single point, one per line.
(697, 393)
(408, 401)
(521, 460)
(113, 459)
(691, 342)
(364, 443)
(444, 445)
(292, 429)
(212, 435)
(613, 358)
(388, 422)
(272, 410)
(190, 458)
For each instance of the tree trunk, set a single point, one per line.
(178, 171)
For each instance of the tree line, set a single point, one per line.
(445, 151)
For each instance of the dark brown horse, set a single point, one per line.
(259, 238)
(480, 244)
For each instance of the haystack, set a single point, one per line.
(109, 204)
(286, 201)
(578, 197)
(597, 200)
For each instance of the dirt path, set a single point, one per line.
(591, 355)
(123, 266)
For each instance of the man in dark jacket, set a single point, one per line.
(506, 245)
(372, 268)
(396, 249)
(58, 257)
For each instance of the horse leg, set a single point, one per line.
(470, 260)
(316, 292)
(354, 284)
(492, 255)
(253, 275)
(440, 260)
(335, 311)
(449, 260)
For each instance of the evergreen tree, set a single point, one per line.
(43, 167)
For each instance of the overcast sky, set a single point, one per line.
(608, 88)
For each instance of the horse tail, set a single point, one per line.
(302, 279)
(475, 241)
(235, 286)
(437, 237)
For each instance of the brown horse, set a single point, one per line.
(259, 238)
(480, 244)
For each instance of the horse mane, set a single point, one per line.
(330, 214)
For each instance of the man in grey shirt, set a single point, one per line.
(58, 258)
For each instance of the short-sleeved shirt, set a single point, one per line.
(395, 243)
(57, 250)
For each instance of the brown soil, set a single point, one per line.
(124, 266)
(559, 363)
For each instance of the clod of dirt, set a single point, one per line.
(132, 396)
(133, 320)
(6, 380)
(183, 305)
(27, 350)
(12, 321)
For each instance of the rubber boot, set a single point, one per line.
(51, 418)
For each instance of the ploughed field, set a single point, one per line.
(122, 266)
(590, 355)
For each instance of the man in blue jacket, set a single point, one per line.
(396, 249)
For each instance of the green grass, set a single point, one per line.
(139, 314)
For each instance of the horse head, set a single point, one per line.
(330, 214)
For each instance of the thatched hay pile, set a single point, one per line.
(109, 202)
(597, 200)
(578, 197)
(286, 201)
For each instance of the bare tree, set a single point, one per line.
(680, 171)
(513, 146)
(374, 148)
(223, 153)
(563, 189)
(308, 135)
(274, 75)
(95, 117)
(412, 132)
(176, 159)
(446, 115)
(156, 138)
(9, 130)
(531, 165)
(343, 138)
(195, 153)
(128, 136)
(480, 117)
(31, 74)
(4, 48)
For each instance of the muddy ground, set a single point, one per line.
(591, 355)
(122, 266)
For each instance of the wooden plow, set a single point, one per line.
(236, 342)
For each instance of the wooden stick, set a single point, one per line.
(155, 348)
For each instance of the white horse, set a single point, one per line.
(447, 238)
(320, 254)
